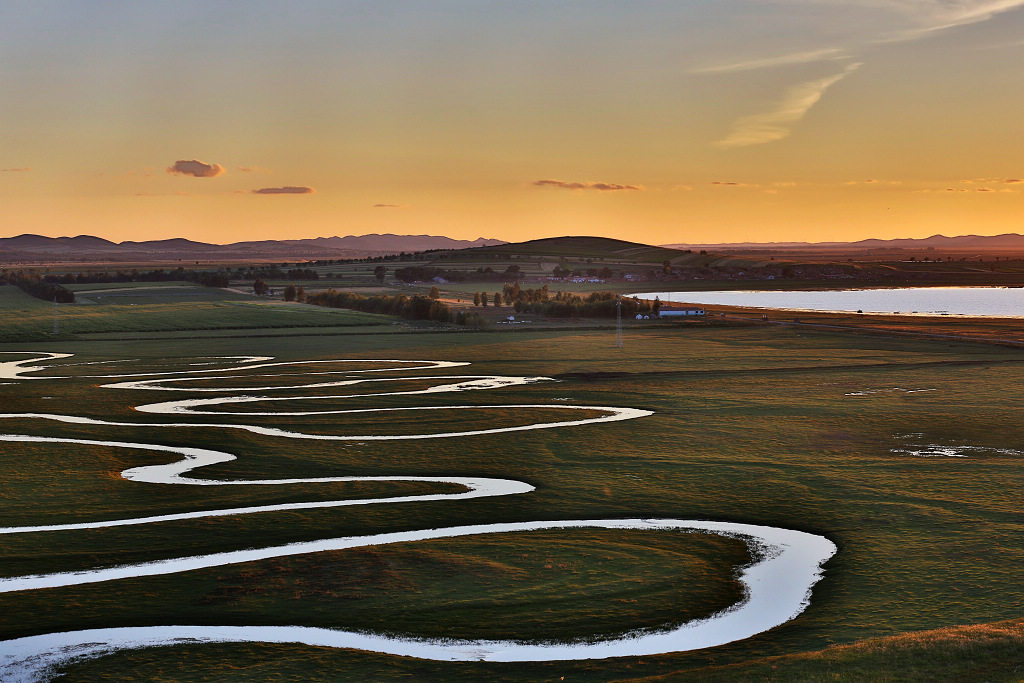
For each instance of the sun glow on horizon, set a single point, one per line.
(654, 123)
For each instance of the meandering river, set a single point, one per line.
(777, 584)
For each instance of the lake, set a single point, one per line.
(1000, 302)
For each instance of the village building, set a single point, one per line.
(673, 311)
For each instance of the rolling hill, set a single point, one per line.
(29, 246)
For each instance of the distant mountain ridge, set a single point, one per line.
(351, 246)
(981, 242)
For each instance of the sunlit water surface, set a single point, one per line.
(996, 302)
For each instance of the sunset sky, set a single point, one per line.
(657, 121)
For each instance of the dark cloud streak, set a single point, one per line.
(287, 189)
(601, 187)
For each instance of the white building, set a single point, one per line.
(672, 311)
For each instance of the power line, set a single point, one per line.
(618, 321)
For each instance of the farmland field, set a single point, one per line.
(906, 454)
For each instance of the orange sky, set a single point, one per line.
(770, 120)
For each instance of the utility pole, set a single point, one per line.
(618, 321)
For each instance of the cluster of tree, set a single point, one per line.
(512, 295)
(414, 307)
(275, 273)
(425, 273)
(293, 293)
(403, 256)
(209, 278)
(481, 299)
(303, 274)
(32, 284)
(386, 257)
(596, 305)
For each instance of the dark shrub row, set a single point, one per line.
(31, 283)
(414, 307)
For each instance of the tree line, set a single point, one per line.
(596, 305)
(425, 273)
(207, 278)
(32, 284)
(564, 304)
(512, 294)
(275, 273)
(414, 307)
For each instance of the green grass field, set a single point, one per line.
(785, 427)
(143, 308)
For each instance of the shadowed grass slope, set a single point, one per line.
(980, 652)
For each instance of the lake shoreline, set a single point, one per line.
(942, 302)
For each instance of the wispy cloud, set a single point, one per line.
(914, 20)
(938, 15)
(287, 189)
(253, 169)
(730, 183)
(603, 187)
(16, 170)
(830, 53)
(975, 189)
(388, 206)
(758, 129)
(195, 168)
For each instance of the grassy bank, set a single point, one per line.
(783, 426)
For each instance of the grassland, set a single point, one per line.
(788, 426)
(141, 308)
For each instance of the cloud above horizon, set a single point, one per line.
(937, 15)
(921, 17)
(195, 168)
(777, 123)
(975, 189)
(24, 169)
(388, 206)
(828, 53)
(287, 189)
(897, 21)
(602, 187)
